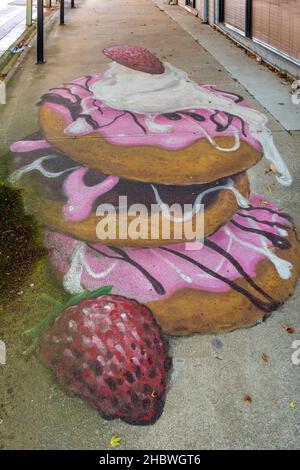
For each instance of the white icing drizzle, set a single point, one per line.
(282, 266)
(237, 142)
(271, 153)
(218, 268)
(38, 165)
(155, 127)
(241, 200)
(171, 91)
(72, 279)
(81, 126)
(282, 232)
(183, 276)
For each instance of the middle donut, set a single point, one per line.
(65, 196)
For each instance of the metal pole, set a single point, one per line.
(72, 3)
(28, 12)
(205, 11)
(221, 11)
(248, 16)
(62, 11)
(40, 33)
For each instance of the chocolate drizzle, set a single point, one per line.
(136, 121)
(271, 211)
(123, 256)
(265, 222)
(230, 117)
(265, 306)
(238, 99)
(277, 240)
(237, 266)
(75, 108)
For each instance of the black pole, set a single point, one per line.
(221, 15)
(40, 33)
(248, 25)
(72, 3)
(62, 11)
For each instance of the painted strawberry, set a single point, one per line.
(136, 58)
(108, 350)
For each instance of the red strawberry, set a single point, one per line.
(109, 351)
(136, 58)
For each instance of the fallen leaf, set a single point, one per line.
(247, 399)
(274, 170)
(264, 357)
(270, 189)
(292, 405)
(274, 402)
(288, 329)
(264, 203)
(115, 441)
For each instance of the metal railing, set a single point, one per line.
(40, 22)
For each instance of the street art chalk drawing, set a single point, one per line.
(143, 130)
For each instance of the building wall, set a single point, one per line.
(277, 23)
(235, 13)
(275, 28)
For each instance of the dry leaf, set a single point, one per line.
(115, 441)
(292, 405)
(247, 399)
(274, 402)
(264, 203)
(274, 170)
(264, 357)
(288, 329)
(270, 189)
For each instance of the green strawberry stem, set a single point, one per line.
(47, 298)
(39, 329)
(88, 295)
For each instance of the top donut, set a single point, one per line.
(145, 120)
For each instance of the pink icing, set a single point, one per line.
(170, 270)
(23, 146)
(81, 197)
(120, 128)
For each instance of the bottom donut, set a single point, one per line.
(241, 274)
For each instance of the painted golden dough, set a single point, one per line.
(46, 195)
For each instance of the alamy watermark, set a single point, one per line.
(2, 92)
(161, 222)
(296, 354)
(2, 352)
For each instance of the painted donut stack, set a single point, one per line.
(144, 130)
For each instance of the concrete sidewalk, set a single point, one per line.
(205, 406)
(12, 22)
